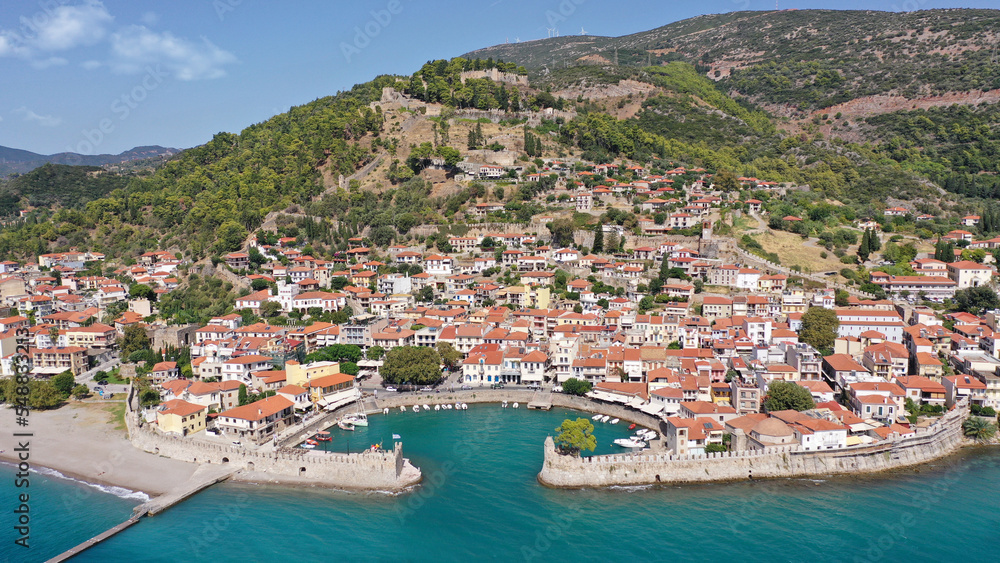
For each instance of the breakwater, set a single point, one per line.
(940, 439)
(369, 470)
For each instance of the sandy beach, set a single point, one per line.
(83, 441)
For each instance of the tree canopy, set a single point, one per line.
(575, 436)
(417, 365)
(819, 327)
(574, 386)
(785, 395)
(975, 300)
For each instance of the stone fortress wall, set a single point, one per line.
(935, 441)
(384, 470)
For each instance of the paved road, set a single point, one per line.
(88, 376)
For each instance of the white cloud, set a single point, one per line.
(67, 27)
(135, 47)
(43, 120)
(132, 48)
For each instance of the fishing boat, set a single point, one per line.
(344, 425)
(358, 417)
(614, 421)
(323, 436)
(605, 418)
(630, 443)
(312, 442)
(631, 426)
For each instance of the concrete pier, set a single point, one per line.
(204, 477)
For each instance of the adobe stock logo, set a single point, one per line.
(363, 35)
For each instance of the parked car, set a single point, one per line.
(102, 382)
(391, 389)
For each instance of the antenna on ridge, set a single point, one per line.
(583, 31)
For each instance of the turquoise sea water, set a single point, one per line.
(63, 513)
(480, 499)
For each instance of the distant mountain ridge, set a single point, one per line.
(18, 161)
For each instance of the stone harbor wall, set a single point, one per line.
(384, 470)
(930, 443)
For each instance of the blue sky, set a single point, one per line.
(102, 77)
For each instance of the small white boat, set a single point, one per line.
(357, 419)
(515, 405)
(465, 407)
(427, 407)
(650, 435)
(385, 410)
(503, 404)
(345, 425)
(437, 407)
(402, 408)
(308, 446)
(614, 421)
(605, 418)
(457, 405)
(630, 443)
(596, 417)
(416, 408)
(447, 407)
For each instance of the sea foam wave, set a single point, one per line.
(120, 492)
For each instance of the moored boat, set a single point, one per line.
(605, 418)
(596, 417)
(345, 425)
(630, 443)
(465, 407)
(437, 407)
(614, 421)
(515, 405)
(631, 426)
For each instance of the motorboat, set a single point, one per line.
(416, 408)
(402, 408)
(631, 426)
(503, 404)
(357, 419)
(465, 407)
(345, 425)
(605, 418)
(427, 407)
(437, 407)
(312, 442)
(447, 407)
(515, 405)
(630, 443)
(457, 405)
(323, 436)
(308, 446)
(596, 417)
(385, 410)
(614, 421)
(647, 434)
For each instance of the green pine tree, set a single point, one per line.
(599, 239)
(863, 248)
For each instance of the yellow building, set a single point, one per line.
(178, 416)
(301, 375)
